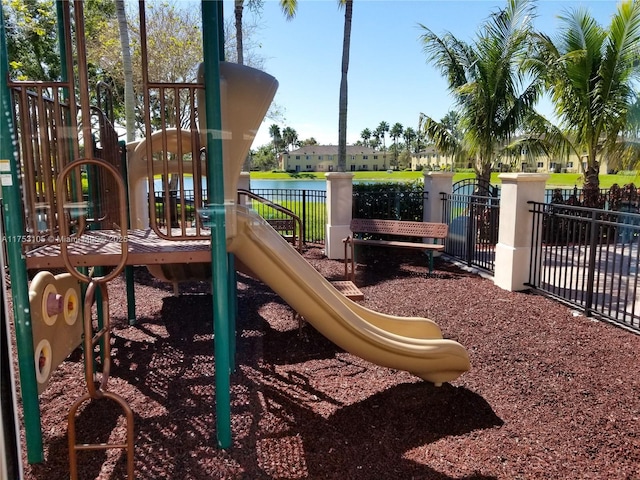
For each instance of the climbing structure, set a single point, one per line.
(64, 185)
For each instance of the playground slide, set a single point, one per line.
(412, 344)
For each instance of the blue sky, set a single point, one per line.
(389, 78)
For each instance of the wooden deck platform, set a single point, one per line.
(103, 248)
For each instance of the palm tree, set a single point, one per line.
(238, 9)
(395, 133)
(289, 7)
(409, 136)
(289, 137)
(590, 72)
(274, 132)
(374, 142)
(633, 121)
(491, 90)
(342, 109)
(129, 98)
(634, 115)
(451, 121)
(381, 132)
(365, 135)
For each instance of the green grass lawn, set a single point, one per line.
(566, 180)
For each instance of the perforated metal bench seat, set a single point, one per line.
(436, 232)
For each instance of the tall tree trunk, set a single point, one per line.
(129, 99)
(239, 5)
(342, 116)
(483, 172)
(591, 174)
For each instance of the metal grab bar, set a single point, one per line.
(74, 447)
(90, 340)
(64, 228)
(278, 208)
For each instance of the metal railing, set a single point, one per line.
(571, 196)
(309, 205)
(181, 208)
(473, 228)
(283, 220)
(588, 258)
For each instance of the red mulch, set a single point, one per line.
(551, 394)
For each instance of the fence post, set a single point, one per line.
(244, 183)
(339, 212)
(435, 183)
(303, 233)
(513, 251)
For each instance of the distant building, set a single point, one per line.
(324, 158)
(431, 159)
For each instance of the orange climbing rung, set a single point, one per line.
(75, 447)
(93, 393)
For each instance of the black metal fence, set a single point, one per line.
(473, 228)
(585, 257)
(571, 196)
(309, 205)
(175, 207)
(588, 258)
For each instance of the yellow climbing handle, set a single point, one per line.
(67, 239)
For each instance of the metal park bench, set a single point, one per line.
(394, 233)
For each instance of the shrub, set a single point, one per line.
(389, 200)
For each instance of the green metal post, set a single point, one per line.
(14, 229)
(233, 310)
(62, 45)
(211, 27)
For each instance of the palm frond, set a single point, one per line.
(289, 8)
(448, 54)
(443, 139)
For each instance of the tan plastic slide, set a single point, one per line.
(412, 344)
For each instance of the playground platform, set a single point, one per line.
(104, 248)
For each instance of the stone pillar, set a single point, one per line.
(339, 212)
(435, 183)
(244, 183)
(513, 251)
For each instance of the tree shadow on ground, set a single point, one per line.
(366, 438)
(378, 265)
(98, 422)
(170, 362)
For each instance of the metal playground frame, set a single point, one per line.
(52, 140)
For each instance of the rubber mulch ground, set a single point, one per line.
(550, 395)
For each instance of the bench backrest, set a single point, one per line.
(282, 224)
(399, 227)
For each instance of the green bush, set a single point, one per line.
(389, 200)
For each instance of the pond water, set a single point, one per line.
(264, 184)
